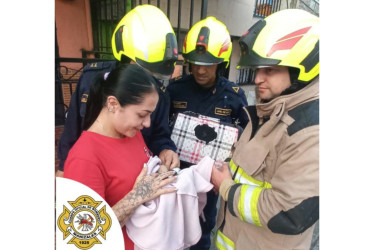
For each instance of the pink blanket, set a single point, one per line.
(172, 220)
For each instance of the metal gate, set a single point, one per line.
(107, 13)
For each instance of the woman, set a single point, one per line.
(110, 154)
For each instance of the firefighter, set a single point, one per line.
(144, 36)
(207, 49)
(270, 188)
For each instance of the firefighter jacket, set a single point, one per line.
(273, 200)
(224, 101)
(157, 136)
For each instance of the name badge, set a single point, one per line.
(222, 112)
(180, 105)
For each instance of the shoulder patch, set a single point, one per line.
(232, 87)
(305, 115)
(175, 80)
(162, 88)
(104, 65)
(84, 98)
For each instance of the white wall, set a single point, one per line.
(250, 94)
(234, 60)
(236, 14)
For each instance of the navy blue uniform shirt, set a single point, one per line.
(225, 100)
(157, 136)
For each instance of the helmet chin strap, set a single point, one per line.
(296, 85)
(221, 69)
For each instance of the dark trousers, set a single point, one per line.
(210, 213)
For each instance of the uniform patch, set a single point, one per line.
(93, 65)
(163, 88)
(236, 89)
(222, 112)
(84, 98)
(180, 105)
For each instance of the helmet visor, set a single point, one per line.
(163, 69)
(202, 59)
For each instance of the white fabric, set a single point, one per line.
(171, 221)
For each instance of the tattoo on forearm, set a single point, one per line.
(143, 191)
(126, 207)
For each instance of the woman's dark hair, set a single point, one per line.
(128, 83)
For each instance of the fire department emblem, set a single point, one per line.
(85, 222)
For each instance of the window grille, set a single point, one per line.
(311, 6)
(264, 8)
(106, 14)
(245, 76)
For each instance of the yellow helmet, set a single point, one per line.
(286, 38)
(207, 42)
(146, 36)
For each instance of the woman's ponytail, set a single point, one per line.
(95, 100)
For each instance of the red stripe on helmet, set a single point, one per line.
(225, 46)
(296, 33)
(288, 41)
